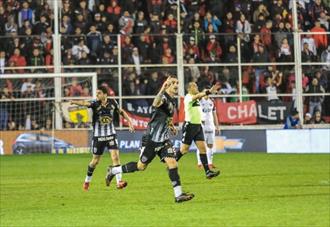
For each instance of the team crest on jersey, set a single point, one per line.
(104, 120)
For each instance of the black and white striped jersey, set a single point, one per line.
(103, 117)
(158, 126)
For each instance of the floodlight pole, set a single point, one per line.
(57, 64)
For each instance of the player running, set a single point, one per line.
(210, 126)
(104, 134)
(156, 140)
(192, 128)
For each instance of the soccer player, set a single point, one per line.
(210, 126)
(156, 140)
(192, 128)
(104, 134)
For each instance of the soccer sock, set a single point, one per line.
(178, 155)
(119, 175)
(90, 171)
(209, 154)
(176, 183)
(130, 167)
(204, 162)
(198, 158)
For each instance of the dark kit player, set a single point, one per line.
(104, 134)
(156, 140)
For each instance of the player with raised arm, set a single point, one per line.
(192, 128)
(104, 134)
(156, 140)
(210, 127)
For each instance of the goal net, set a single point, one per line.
(36, 115)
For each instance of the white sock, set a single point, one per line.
(116, 170)
(209, 154)
(118, 177)
(177, 191)
(88, 178)
(199, 162)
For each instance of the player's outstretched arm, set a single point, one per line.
(128, 119)
(80, 103)
(158, 99)
(212, 90)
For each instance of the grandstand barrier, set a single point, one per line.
(254, 140)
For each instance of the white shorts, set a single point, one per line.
(209, 134)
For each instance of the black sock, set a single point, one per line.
(130, 167)
(178, 155)
(204, 162)
(174, 176)
(90, 171)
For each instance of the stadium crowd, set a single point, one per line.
(147, 29)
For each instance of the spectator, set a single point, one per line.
(75, 88)
(144, 46)
(321, 40)
(325, 57)
(167, 57)
(94, 40)
(231, 57)
(317, 118)
(5, 108)
(66, 26)
(311, 43)
(18, 60)
(306, 54)
(262, 10)
(153, 84)
(262, 57)
(11, 26)
(77, 50)
(140, 24)
(36, 60)
(285, 54)
(280, 34)
(126, 23)
(266, 34)
(272, 86)
(191, 49)
(171, 23)
(213, 51)
(136, 59)
(292, 121)
(315, 102)
(2, 61)
(308, 119)
(114, 11)
(26, 13)
(197, 33)
(41, 26)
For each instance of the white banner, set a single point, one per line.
(298, 141)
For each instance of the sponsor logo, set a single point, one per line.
(106, 138)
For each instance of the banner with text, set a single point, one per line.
(251, 112)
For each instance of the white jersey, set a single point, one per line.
(207, 106)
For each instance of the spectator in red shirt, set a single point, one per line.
(266, 34)
(18, 60)
(321, 41)
(75, 88)
(213, 50)
(170, 23)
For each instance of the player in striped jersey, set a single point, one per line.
(156, 140)
(104, 134)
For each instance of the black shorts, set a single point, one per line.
(192, 132)
(150, 149)
(100, 143)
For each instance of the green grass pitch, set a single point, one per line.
(254, 189)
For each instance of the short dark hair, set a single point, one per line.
(103, 89)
